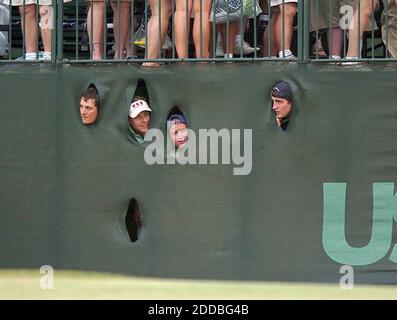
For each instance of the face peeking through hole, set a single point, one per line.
(281, 108)
(178, 134)
(88, 111)
(141, 123)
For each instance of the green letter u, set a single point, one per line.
(334, 238)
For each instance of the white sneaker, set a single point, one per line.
(351, 63)
(247, 49)
(286, 54)
(290, 57)
(45, 56)
(30, 56)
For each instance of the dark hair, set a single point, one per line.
(275, 96)
(91, 93)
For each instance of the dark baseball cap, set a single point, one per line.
(282, 90)
(175, 119)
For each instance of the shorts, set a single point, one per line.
(274, 3)
(28, 2)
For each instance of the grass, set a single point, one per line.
(25, 284)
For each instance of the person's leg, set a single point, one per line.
(216, 51)
(183, 11)
(240, 31)
(128, 46)
(317, 49)
(46, 24)
(95, 28)
(121, 26)
(337, 42)
(284, 39)
(29, 28)
(228, 50)
(202, 31)
(273, 44)
(153, 44)
(355, 37)
(239, 39)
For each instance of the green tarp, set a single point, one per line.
(65, 187)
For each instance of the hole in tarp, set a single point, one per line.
(142, 91)
(177, 130)
(175, 110)
(139, 114)
(282, 103)
(133, 220)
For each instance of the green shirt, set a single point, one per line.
(137, 138)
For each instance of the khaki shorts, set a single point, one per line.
(274, 3)
(390, 36)
(328, 14)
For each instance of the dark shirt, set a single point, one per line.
(284, 123)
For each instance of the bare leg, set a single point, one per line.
(29, 26)
(46, 22)
(123, 25)
(128, 46)
(95, 28)
(337, 41)
(217, 30)
(182, 12)
(289, 14)
(232, 35)
(273, 43)
(202, 31)
(153, 44)
(354, 49)
(240, 32)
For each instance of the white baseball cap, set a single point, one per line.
(137, 107)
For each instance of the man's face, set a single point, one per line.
(88, 111)
(281, 107)
(140, 123)
(179, 135)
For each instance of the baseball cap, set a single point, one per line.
(175, 118)
(137, 107)
(282, 90)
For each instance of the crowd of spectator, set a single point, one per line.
(187, 26)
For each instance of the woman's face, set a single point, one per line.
(178, 134)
